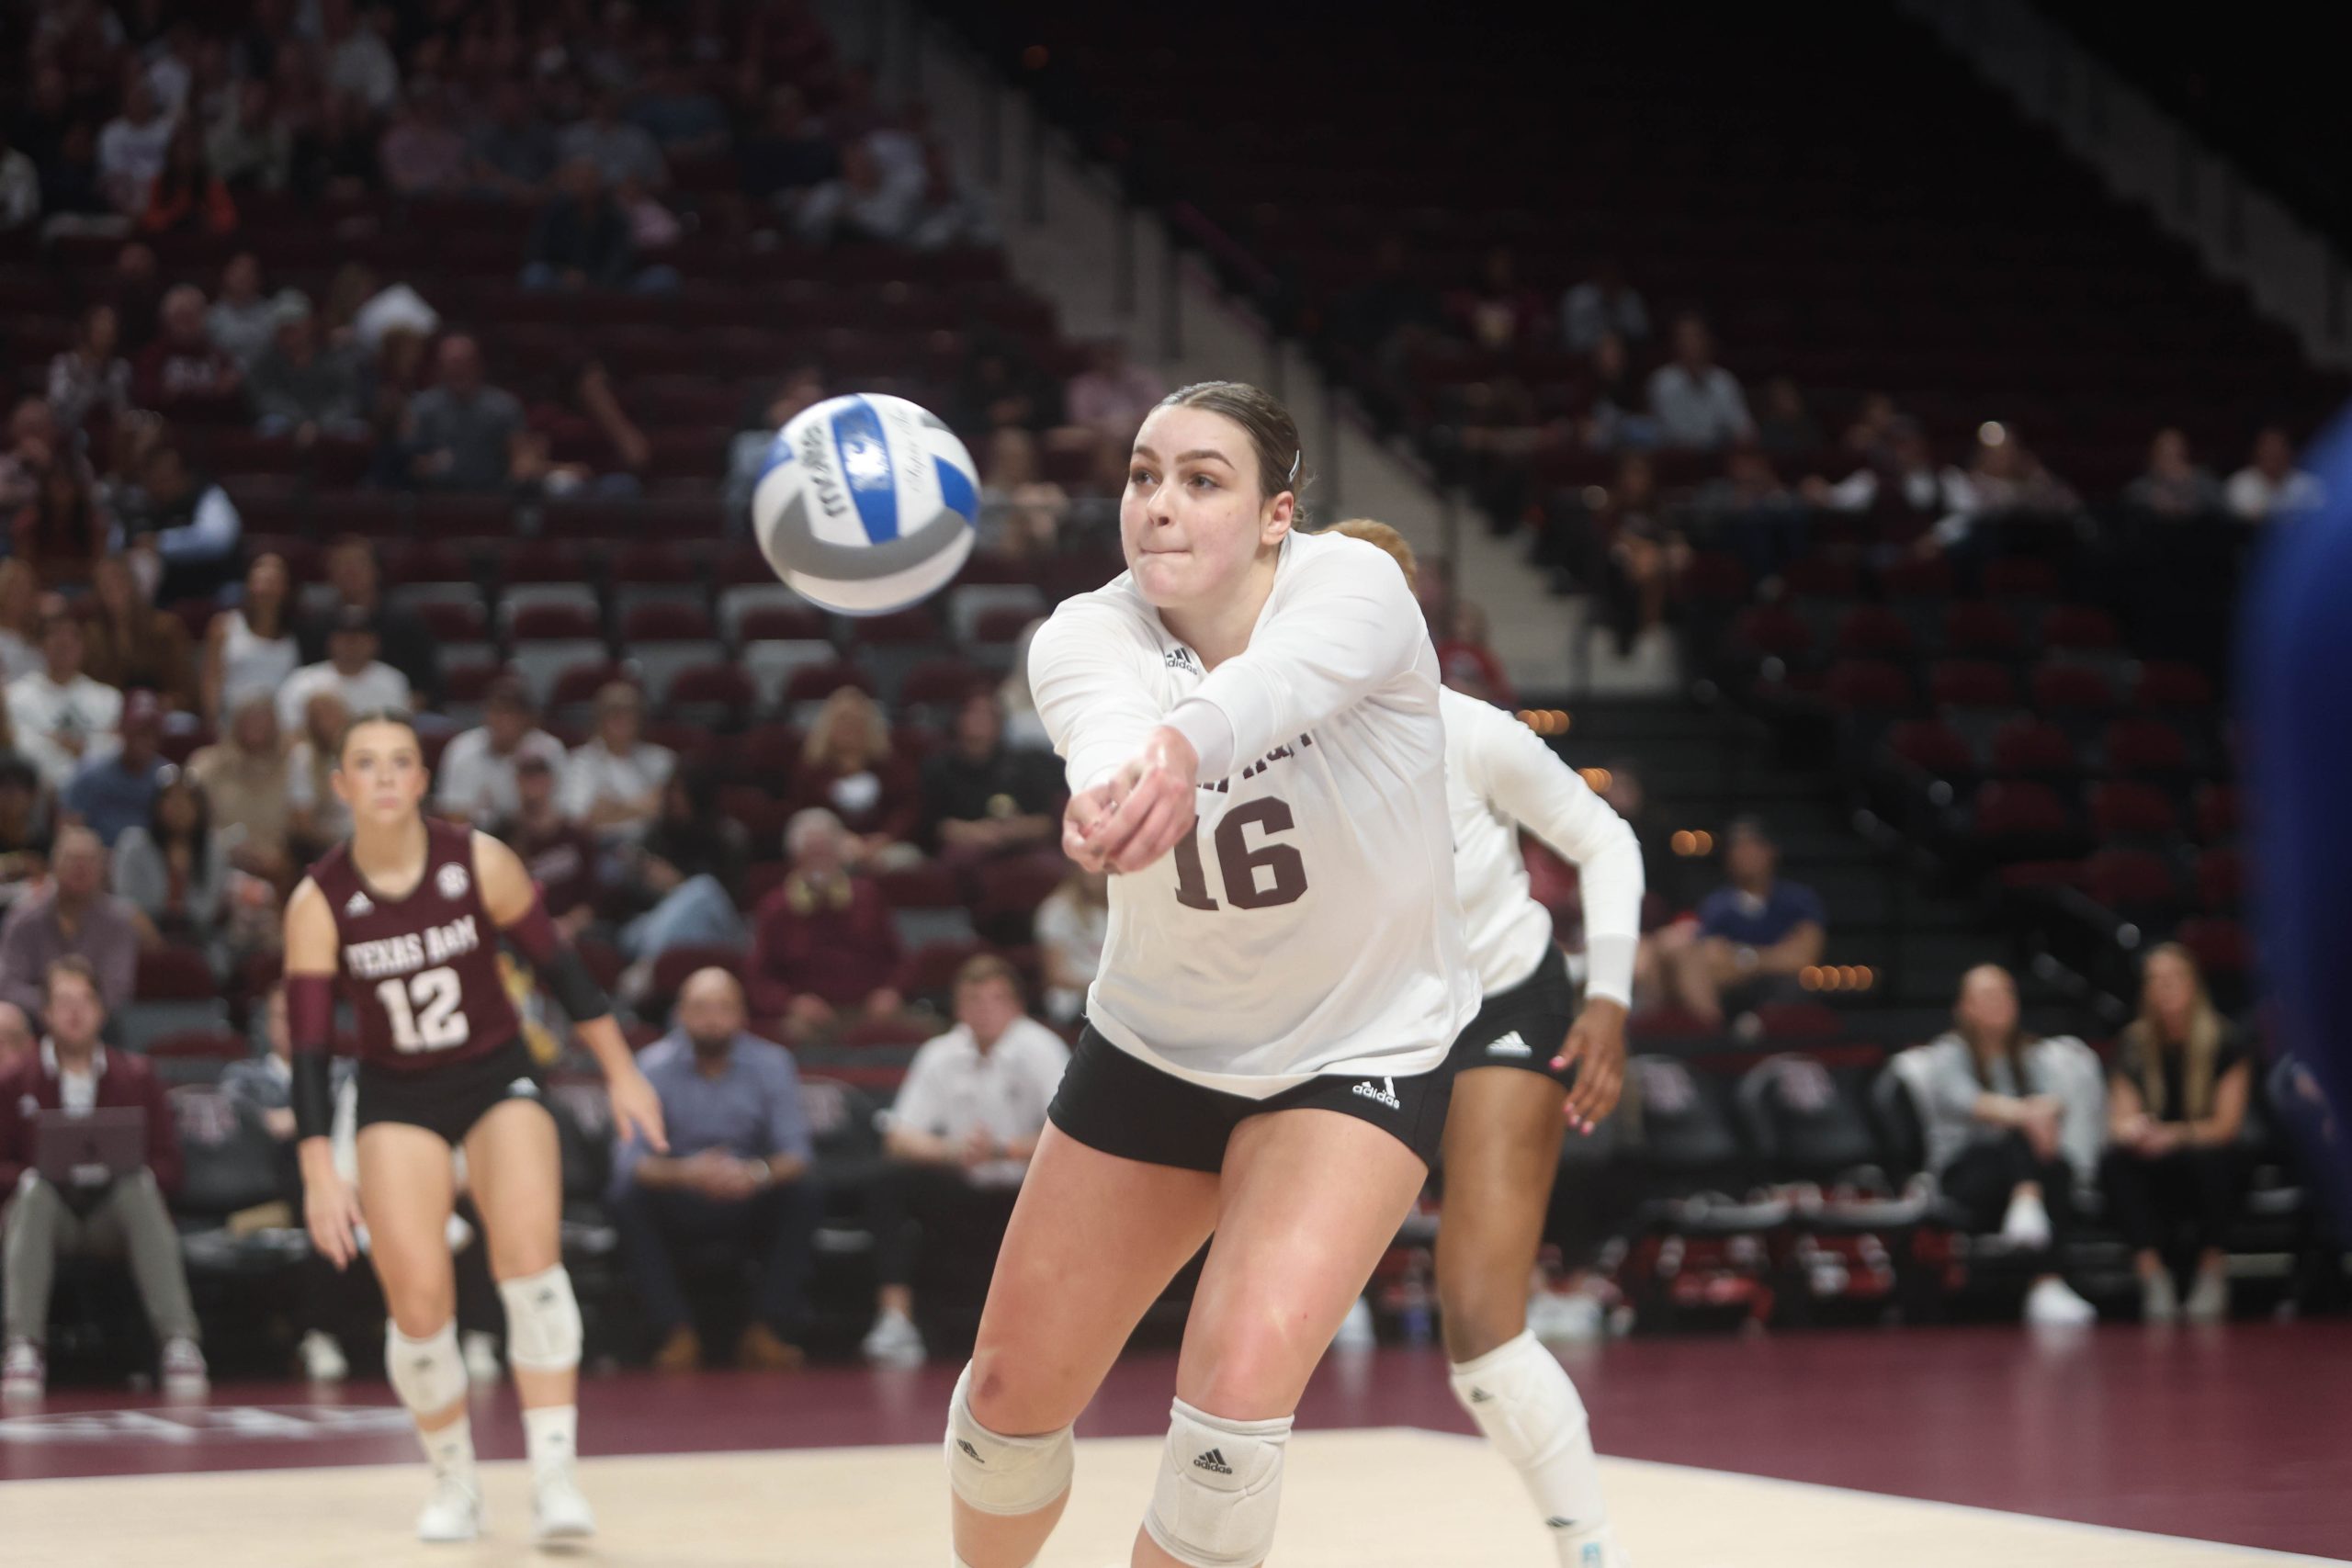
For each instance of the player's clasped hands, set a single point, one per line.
(1138, 815)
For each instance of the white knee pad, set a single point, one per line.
(542, 1321)
(1220, 1487)
(1003, 1475)
(1522, 1400)
(428, 1374)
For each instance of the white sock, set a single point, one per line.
(551, 1437)
(1521, 1399)
(2027, 1222)
(450, 1451)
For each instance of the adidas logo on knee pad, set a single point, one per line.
(1214, 1462)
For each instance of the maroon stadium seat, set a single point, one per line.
(671, 969)
(2021, 809)
(2144, 746)
(2082, 627)
(1799, 1020)
(2217, 813)
(2028, 745)
(2221, 880)
(2218, 946)
(2120, 810)
(175, 975)
(1773, 630)
(1867, 685)
(925, 885)
(1932, 746)
(2020, 577)
(2072, 689)
(929, 970)
(1971, 683)
(2169, 686)
(2130, 880)
(817, 682)
(1874, 630)
(1977, 628)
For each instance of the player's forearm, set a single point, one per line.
(606, 1043)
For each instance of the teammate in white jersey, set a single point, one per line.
(1528, 1052)
(1265, 1055)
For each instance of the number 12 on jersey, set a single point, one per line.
(1238, 865)
(425, 1012)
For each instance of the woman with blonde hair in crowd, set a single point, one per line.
(848, 767)
(2175, 1105)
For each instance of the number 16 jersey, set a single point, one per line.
(421, 971)
(1309, 926)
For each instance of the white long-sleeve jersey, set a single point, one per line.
(1308, 925)
(1499, 778)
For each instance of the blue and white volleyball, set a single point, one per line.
(866, 504)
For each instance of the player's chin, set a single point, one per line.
(1163, 575)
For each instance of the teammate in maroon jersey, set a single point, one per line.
(406, 918)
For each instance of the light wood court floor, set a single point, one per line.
(1389, 1498)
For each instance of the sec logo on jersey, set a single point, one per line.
(453, 881)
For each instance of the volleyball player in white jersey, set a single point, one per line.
(1266, 1039)
(1528, 1053)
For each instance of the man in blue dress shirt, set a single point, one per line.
(736, 1176)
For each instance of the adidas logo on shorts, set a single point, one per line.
(1509, 1045)
(1214, 1462)
(1385, 1094)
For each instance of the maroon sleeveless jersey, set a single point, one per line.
(422, 971)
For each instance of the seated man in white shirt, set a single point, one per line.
(476, 779)
(57, 713)
(2272, 483)
(959, 1139)
(351, 671)
(613, 784)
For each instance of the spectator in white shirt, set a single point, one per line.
(358, 61)
(351, 671)
(19, 186)
(476, 777)
(2271, 483)
(613, 784)
(1697, 402)
(959, 1140)
(1072, 924)
(1603, 306)
(58, 712)
(130, 147)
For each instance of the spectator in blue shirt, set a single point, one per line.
(736, 1174)
(1755, 934)
(117, 788)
